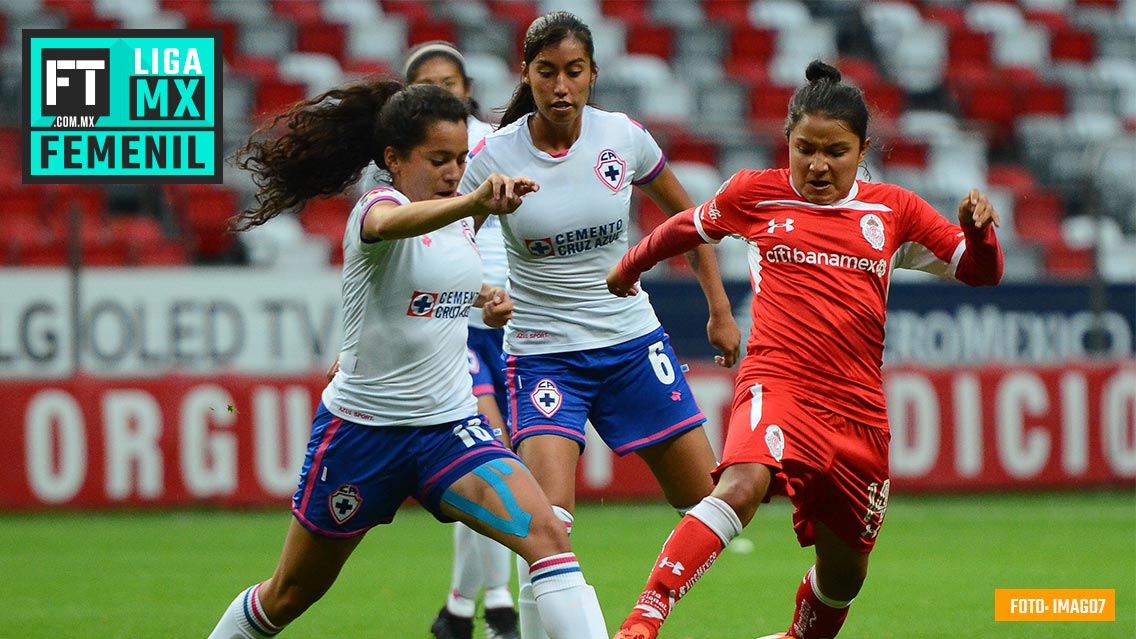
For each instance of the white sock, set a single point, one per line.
(468, 574)
(568, 605)
(528, 614)
(496, 561)
(245, 618)
(718, 517)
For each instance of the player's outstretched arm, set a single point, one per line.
(721, 328)
(497, 195)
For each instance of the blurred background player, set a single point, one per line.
(479, 562)
(575, 353)
(399, 417)
(808, 418)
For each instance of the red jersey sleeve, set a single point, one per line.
(970, 255)
(722, 214)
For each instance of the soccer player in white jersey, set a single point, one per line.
(809, 419)
(574, 352)
(399, 417)
(479, 562)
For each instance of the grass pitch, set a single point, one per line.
(129, 575)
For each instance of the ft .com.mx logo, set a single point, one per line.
(122, 106)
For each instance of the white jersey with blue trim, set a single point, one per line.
(405, 308)
(563, 239)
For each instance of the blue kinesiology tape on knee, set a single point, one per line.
(494, 472)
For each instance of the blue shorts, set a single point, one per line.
(355, 477)
(634, 393)
(487, 365)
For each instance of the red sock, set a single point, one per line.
(814, 619)
(686, 556)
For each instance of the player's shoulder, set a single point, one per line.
(759, 183)
(611, 120)
(892, 196)
(383, 193)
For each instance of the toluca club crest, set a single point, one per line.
(611, 168)
(344, 503)
(873, 229)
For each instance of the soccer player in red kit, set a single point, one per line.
(808, 417)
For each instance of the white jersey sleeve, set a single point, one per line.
(563, 239)
(405, 307)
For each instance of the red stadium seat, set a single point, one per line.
(17, 233)
(950, 16)
(989, 101)
(326, 218)
(1036, 98)
(520, 13)
(905, 152)
(768, 107)
(1037, 218)
(630, 12)
(191, 9)
(886, 100)
(410, 9)
(969, 48)
(274, 96)
(749, 51)
(1072, 45)
(427, 30)
(298, 11)
(72, 9)
(728, 12)
(322, 37)
(257, 68)
(204, 212)
(166, 253)
(1013, 177)
(1062, 262)
(653, 39)
(108, 251)
(230, 33)
(41, 251)
(688, 148)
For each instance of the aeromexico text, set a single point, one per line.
(207, 321)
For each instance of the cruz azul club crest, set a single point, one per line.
(546, 397)
(611, 168)
(344, 503)
(873, 229)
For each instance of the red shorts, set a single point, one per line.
(833, 469)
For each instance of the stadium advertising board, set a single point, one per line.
(239, 439)
(158, 388)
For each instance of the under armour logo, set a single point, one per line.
(773, 225)
(675, 566)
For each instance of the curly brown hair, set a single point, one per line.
(320, 146)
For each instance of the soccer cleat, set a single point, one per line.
(447, 625)
(637, 631)
(501, 623)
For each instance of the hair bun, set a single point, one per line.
(818, 71)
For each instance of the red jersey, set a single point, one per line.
(820, 279)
